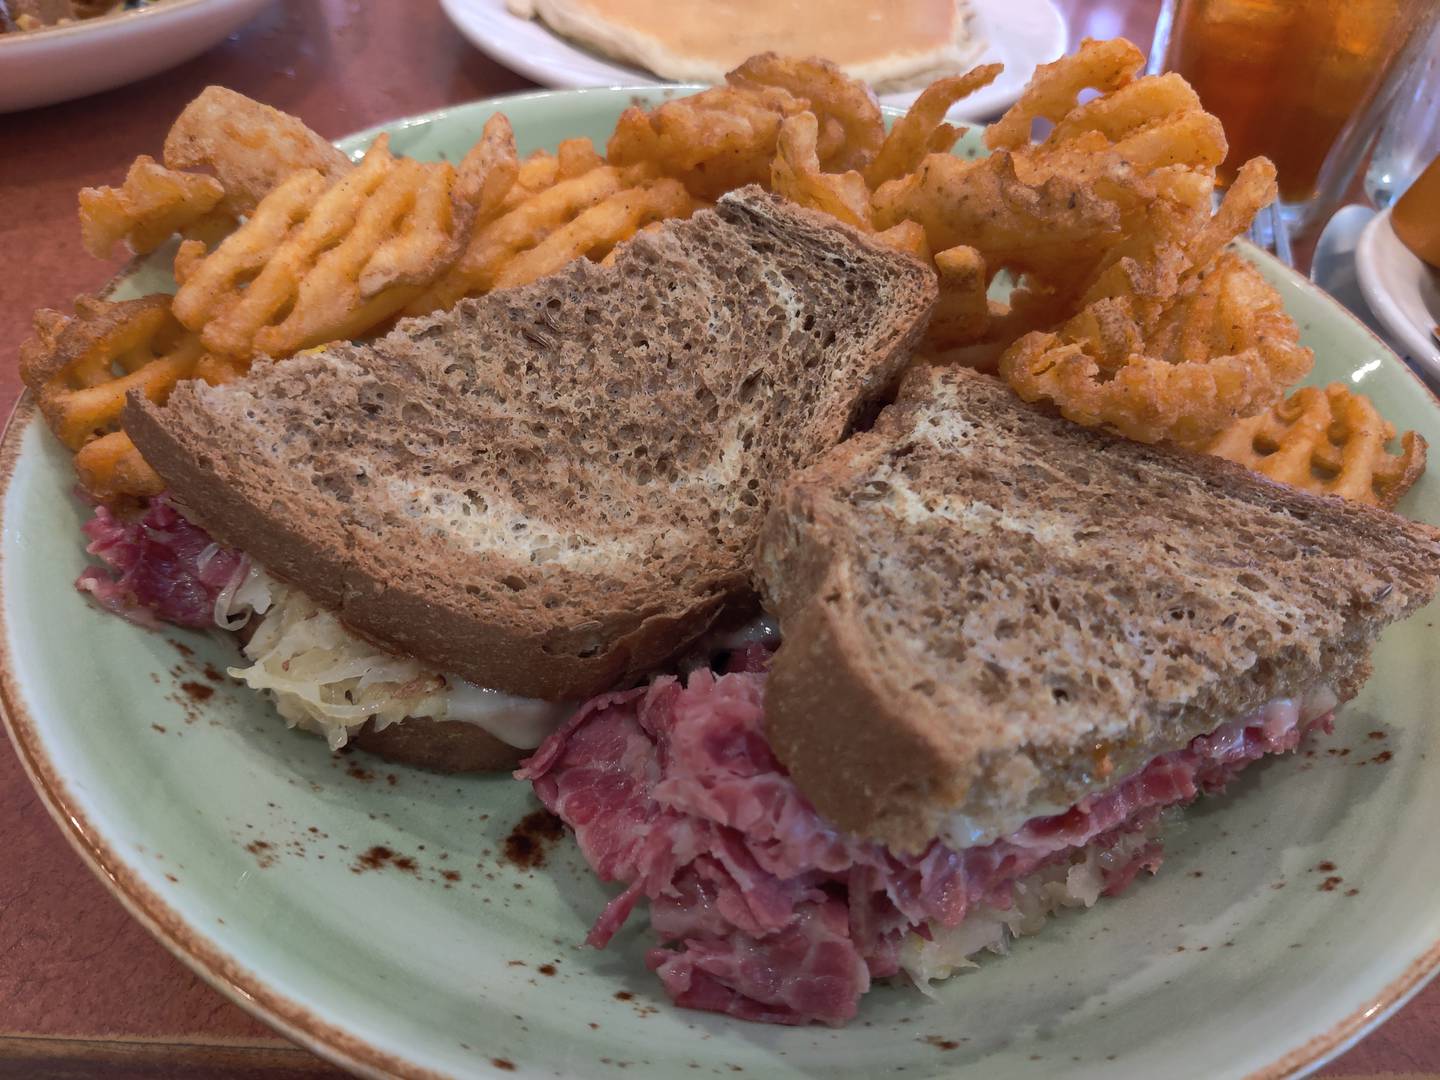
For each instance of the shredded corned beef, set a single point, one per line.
(159, 567)
(765, 912)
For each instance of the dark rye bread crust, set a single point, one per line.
(990, 610)
(449, 746)
(553, 489)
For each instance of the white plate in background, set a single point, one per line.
(1018, 33)
(58, 63)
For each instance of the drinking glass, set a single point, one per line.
(1410, 137)
(1303, 82)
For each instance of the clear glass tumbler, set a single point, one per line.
(1302, 82)
(1410, 136)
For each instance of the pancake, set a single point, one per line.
(891, 44)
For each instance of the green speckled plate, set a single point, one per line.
(374, 914)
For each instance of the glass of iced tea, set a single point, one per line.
(1299, 81)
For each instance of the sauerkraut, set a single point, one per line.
(1077, 882)
(322, 677)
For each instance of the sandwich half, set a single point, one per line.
(545, 493)
(1010, 646)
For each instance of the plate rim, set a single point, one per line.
(1367, 258)
(231, 978)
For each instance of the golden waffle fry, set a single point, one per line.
(489, 171)
(188, 257)
(82, 367)
(251, 147)
(850, 125)
(962, 312)
(713, 142)
(922, 130)
(111, 467)
(218, 370)
(320, 262)
(537, 172)
(1224, 348)
(152, 205)
(1330, 441)
(907, 236)
(518, 228)
(598, 230)
(1053, 90)
(575, 157)
(795, 174)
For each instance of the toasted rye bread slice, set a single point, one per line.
(989, 611)
(553, 489)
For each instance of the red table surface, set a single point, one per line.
(84, 990)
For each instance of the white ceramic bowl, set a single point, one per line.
(1401, 290)
(42, 67)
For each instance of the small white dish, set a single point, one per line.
(1020, 34)
(41, 67)
(1401, 290)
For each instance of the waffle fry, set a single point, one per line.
(519, 228)
(151, 205)
(713, 142)
(1126, 310)
(576, 157)
(850, 124)
(82, 367)
(250, 147)
(795, 174)
(599, 229)
(320, 262)
(111, 467)
(922, 130)
(489, 172)
(962, 312)
(907, 236)
(1330, 441)
(536, 173)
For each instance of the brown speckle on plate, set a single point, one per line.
(525, 847)
(198, 691)
(379, 856)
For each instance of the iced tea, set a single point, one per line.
(1286, 76)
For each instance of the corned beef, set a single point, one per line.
(159, 567)
(762, 910)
